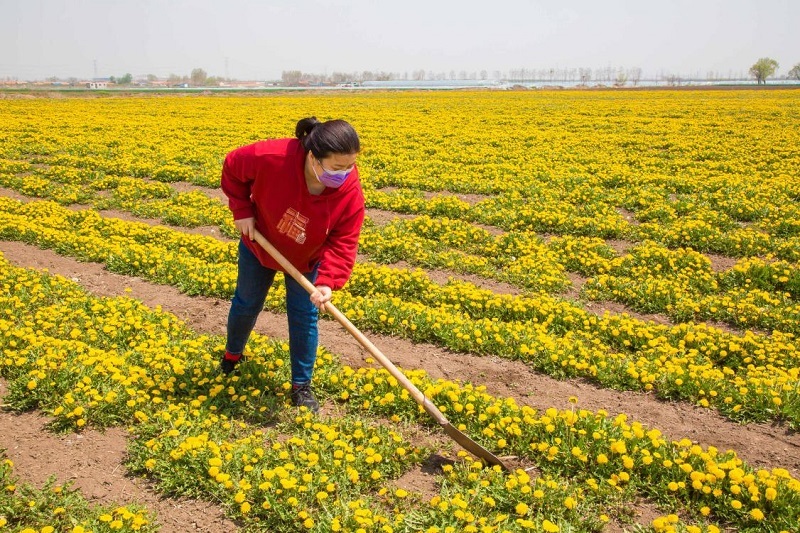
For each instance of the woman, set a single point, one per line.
(304, 196)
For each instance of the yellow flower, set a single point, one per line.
(550, 527)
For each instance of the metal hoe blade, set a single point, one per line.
(463, 440)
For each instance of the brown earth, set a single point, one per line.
(93, 460)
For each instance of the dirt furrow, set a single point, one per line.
(92, 462)
(763, 445)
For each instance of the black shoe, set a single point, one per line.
(228, 363)
(302, 396)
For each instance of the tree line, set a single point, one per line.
(762, 69)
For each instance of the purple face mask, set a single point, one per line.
(332, 178)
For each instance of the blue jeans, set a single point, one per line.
(252, 284)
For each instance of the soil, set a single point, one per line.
(93, 460)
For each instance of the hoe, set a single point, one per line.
(463, 440)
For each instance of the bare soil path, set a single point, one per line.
(92, 461)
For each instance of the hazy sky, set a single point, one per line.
(252, 39)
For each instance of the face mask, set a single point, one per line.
(332, 178)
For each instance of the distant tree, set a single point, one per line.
(763, 68)
(571, 73)
(291, 77)
(794, 74)
(635, 75)
(212, 81)
(152, 77)
(199, 77)
(126, 79)
(173, 79)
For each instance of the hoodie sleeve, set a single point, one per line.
(238, 174)
(339, 252)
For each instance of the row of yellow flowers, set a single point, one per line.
(746, 377)
(234, 439)
(756, 292)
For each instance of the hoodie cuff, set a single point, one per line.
(325, 280)
(244, 212)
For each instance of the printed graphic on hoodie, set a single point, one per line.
(293, 224)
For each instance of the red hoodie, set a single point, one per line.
(266, 181)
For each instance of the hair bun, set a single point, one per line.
(304, 126)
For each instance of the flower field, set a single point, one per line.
(677, 204)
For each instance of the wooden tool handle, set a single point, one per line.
(290, 269)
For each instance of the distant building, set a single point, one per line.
(97, 85)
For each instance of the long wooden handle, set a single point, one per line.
(418, 396)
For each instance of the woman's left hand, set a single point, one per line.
(321, 296)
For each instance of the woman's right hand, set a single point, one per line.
(246, 226)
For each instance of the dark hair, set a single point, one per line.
(325, 138)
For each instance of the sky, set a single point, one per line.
(259, 39)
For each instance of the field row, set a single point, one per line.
(197, 433)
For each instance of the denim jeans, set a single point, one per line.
(252, 284)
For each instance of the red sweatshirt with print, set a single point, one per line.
(266, 180)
